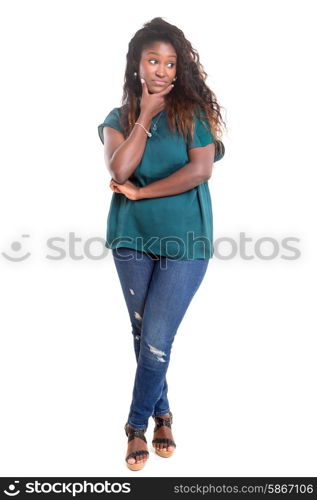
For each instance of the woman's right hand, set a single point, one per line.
(152, 104)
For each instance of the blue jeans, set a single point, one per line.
(157, 292)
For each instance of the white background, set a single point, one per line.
(242, 377)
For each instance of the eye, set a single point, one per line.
(173, 64)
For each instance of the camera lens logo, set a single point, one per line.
(12, 492)
(16, 247)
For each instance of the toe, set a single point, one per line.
(131, 460)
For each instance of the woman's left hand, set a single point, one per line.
(127, 188)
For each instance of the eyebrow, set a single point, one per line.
(152, 52)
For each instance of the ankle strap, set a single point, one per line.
(134, 433)
(160, 422)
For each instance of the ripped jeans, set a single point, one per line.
(157, 292)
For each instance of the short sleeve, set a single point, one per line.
(111, 120)
(220, 150)
(202, 134)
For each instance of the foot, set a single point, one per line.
(164, 432)
(138, 445)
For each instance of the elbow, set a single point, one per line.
(206, 177)
(208, 171)
(205, 174)
(203, 171)
(119, 179)
(117, 175)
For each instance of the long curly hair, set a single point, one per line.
(190, 94)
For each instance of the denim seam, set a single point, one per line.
(138, 427)
(161, 413)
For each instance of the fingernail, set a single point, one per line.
(142, 80)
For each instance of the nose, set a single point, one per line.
(160, 72)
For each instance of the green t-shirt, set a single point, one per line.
(178, 226)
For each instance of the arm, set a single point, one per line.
(195, 172)
(122, 156)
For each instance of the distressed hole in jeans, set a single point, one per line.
(137, 337)
(131, 291)
(159, 354)
(137, 315)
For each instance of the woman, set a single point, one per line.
(159, 148)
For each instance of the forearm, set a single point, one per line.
(128, 155)
(182, 180)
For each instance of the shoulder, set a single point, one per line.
(202, 134)
(114, 113)
(199, 117)
(112, 119)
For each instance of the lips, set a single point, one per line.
(160, 82)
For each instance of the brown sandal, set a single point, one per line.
(135, 433)
(159, 421)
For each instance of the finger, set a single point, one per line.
(144, 86)
(166, 90)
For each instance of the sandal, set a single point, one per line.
(163, 452)
(135, 433)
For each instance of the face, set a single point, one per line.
(158, 65)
